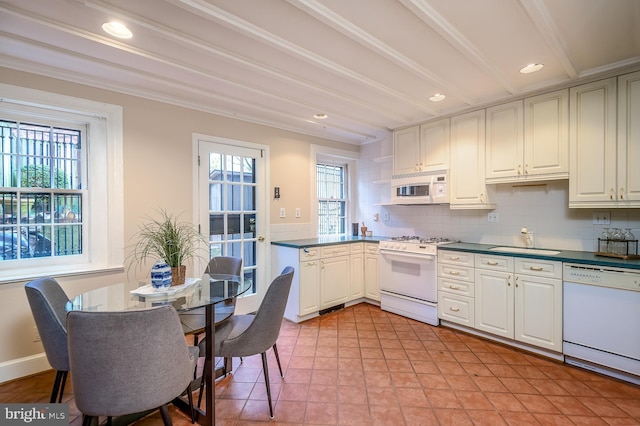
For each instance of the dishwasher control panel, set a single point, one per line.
(625, 279)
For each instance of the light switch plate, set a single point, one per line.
(601, 218)
(493, 217)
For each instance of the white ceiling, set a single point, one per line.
(370, 65)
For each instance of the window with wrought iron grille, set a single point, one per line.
(49, 225)
(41, 175)
(331, 181)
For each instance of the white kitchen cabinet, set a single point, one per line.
(456, 287)
(494, 305)
(605, 143)
(356, 271)
(467, 172)
(422, 148)
(308, 287)
(528, 140)
(371, 274)
(519, 299)
(334, 277)
(628, 188)
(406, 150)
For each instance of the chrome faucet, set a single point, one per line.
(528, 237)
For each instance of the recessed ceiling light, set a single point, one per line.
(437, 97)
(320, 116)
(117, 29)
(531, 68)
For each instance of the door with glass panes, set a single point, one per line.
(232, 188)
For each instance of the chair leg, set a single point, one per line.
(265, 371)
(89, 420)
(190, 399)
(275, 351)
(205, 371)
(61, 378)
(166, 418)
(62, 385)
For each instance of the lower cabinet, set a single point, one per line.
(517, 299)
(327, 276)
(371, 275)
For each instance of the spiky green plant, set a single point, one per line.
(167, 238)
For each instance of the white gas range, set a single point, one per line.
(408, 277)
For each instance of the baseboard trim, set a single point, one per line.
(21, 367)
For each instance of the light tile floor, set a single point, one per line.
(364, 366)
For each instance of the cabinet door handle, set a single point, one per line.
(454, 309)
(519, 169)
(622, 193)
(526, 169)
(454, 287)
(611, 194)
(509, 281)
(517, 281)
(454, 272)
(490, 263)
(454, 258)
(536, 268)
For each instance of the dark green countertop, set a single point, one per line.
(325, 241)
(570, 256)
(582, 257)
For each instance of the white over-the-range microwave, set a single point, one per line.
(424, 189)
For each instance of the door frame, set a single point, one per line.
(263, 198)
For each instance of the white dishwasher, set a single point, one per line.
(602, 319)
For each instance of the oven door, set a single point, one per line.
(408, 274)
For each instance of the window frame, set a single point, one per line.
(327, 155)
(104, 205)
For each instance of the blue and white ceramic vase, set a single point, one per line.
(160, 275)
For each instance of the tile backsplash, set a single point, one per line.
(542, 208)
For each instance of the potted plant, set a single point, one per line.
(168, 239)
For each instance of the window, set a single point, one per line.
(61, 198)
(332, 199)
(41, 169)
(333, 177)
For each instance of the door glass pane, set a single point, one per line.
(232, 209)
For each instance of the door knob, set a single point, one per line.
(261, 238)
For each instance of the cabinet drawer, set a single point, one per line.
(455, 308)
(455, 257)
(309, 253)
(336, 250)
(455, 286)
(371, 248)
(463, 273)
(539, 268)
(356, 248)
(494, 263)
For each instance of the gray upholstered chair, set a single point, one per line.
(128, 362)
(47, 301)
(245, 335)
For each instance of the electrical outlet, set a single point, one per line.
(297, 212)
(385, 216)
(36, 335)
(493, 217)
(282, 212)
(601, 218)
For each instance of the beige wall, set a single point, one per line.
(157, 174)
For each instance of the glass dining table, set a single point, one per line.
(206, 291)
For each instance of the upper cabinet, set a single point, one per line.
(605, 143)
(467, 173)
(528, 140)
(422, 148)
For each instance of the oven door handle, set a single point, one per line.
(391, 253)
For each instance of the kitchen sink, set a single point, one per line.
(524, 250)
